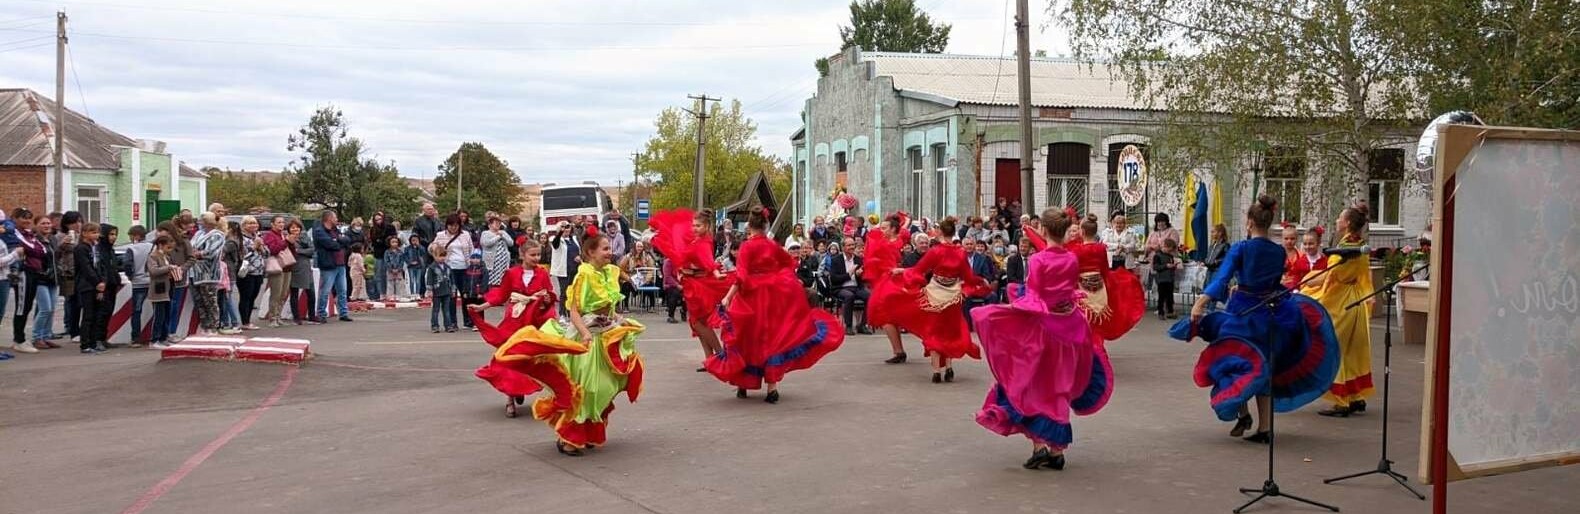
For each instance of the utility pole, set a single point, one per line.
(697, 194)
(1028, 140)
(636, 179)
(60, 111)
(460, 171)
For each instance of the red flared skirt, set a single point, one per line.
(771, 330)
(942, 330)
(703, 295)
(504, 378)
(1123, 308)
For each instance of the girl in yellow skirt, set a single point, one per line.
(585, 363)
(1348, 282)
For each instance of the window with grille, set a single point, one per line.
(1069, 166)
(914, 202)
(1384, 185)
(940, 182)
(92, 203)
(1283, 179)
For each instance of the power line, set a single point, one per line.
(622, 23)
(46, 43)
(1002, 38)
(37, 38)
(275, 44)
(75, 77)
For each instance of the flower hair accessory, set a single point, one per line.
(1069, 212)
(1318, 230)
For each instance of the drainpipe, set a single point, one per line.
(877, 157)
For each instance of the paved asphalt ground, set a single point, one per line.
(389, 419)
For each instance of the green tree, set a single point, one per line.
(668, 160)
(1321, 77)
(487, 182)
(331, 172)
(1513, 62)
(245, 192)
(890, 26)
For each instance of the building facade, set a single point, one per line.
(110, 177)
(938, 135)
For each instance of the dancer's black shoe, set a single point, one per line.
(898, 358)
(1241, 425)
(949, 374)
(1260, 437)
(938, 378)
(773, 396)
(1038, 459)
(740, 392)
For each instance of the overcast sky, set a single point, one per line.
(563, 90)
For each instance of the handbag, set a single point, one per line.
(287, 260)
(271, 266)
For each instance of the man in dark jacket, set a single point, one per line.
(844, 275)
(331, 248)
(426, 227)
(1015, 266)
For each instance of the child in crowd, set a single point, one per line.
(90, 287)
(476, 284)
(135, 264)
(394, 270)
(358, 269)
(160, 276)
(437, 277)
(416, 257)
(1165, 264)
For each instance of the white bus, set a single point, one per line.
(569, 201)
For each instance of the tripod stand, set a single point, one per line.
(1384, 466)
(1270, 487)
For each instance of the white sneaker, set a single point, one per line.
(76, 339)
(159, 346)
(24, 347)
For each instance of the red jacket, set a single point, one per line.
(537, 312)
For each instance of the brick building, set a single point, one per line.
(110, 177)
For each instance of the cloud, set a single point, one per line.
(563, 90)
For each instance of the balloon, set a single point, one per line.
(1426, 150)
(872, 206)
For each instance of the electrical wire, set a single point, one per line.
(75, 77)
(46, 43)
(420, 21)
(1003, 38)
(273, 44)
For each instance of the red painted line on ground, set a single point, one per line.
(192, 463)
(389, 368)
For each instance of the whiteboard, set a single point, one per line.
(1514, 327)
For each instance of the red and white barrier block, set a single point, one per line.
(249, 349)
(275, 349)
(367, 305)
(206, 348)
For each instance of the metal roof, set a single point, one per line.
(26, 135)
(989, 80)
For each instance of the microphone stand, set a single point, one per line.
(1270, 486)
(1385, 466)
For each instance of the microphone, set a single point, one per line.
(1348, 253)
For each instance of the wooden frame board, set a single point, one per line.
(1455, 146)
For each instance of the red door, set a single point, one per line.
(1006, 180)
